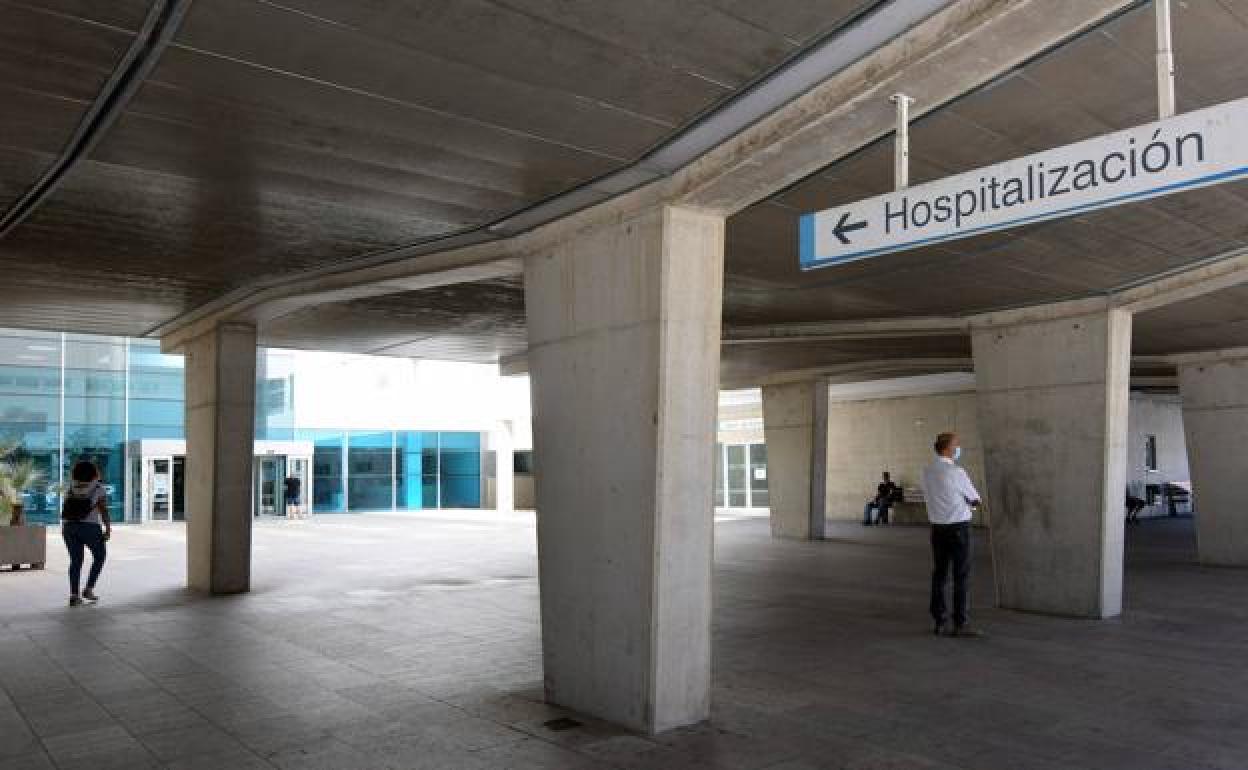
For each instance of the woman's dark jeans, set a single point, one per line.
(80, 535)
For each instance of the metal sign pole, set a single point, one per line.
(1165, 61)
(901, 148)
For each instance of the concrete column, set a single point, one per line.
(795, 427)
(1053, 390)
(1214, 388)
(220, 435)
(624, 324)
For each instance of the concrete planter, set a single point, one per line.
(23, 546)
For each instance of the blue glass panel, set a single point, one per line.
(327, 487)
(95, 410)
(429, 470)
(370, 481)
(41, 503)
(30, 402)
(157, 388)
(410, 459)
(460, 469)
(104, 446)
(275, 400)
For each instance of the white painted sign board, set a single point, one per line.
(1196, 149)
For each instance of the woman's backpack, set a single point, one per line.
(76, 508)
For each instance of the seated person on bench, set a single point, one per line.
(885, 493)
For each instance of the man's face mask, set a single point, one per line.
(957, 453)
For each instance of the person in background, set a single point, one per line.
(85, 526)
(950, 495)
(293, 487)
(885, 492)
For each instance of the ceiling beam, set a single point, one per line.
(958, 49)
(837, 331)
(1221, 272)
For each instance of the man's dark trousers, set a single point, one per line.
(951, 547)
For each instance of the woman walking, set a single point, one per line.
(85, 526)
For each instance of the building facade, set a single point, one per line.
(359, 433)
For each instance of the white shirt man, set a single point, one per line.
(949, 495)
(947, 490)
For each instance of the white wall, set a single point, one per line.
(335, 391)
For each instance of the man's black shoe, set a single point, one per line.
(938, 629)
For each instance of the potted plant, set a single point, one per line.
(19, 544)
(16, 478)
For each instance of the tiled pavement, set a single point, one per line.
(412, 642)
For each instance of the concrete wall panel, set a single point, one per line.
(1053, 398)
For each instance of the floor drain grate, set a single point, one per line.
(561, 724)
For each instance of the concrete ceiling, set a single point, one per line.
(1216, 320)
(478, 322)
(276, 137)
(1095, 84)
(379, 123)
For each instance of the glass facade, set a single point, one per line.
(370, 471)
(70, 397)
(395, 470)
(30, 410)
(328, 479)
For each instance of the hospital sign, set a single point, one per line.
(1196, 149)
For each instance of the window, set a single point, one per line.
(275, 399)
(459, 460)
(370, 469)
(1150, 453)
(327, 479)
(522, 461)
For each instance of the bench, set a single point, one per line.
(910, 506)
(1172, 494)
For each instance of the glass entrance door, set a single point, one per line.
(158, 488)
(741, 476)
(269, 476)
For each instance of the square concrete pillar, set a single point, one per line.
(624, 325)
(1053, 391)
(1214, 388)
(220, 436)
(795, 427)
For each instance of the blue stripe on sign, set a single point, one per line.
(814, 263)
(806, 241)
